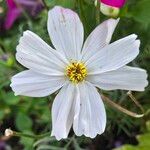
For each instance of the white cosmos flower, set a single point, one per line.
(76, 70)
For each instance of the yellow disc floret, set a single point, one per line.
(76, 72)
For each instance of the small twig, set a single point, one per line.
(120, 108)
(135, 101)
(19, 134)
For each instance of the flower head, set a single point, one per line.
(111, 7)
(76, 72)
(76, 69)
(15, 8)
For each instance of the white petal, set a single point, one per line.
(99, 38)
(29, 83)
(125, 78)
(35, 54)
(66, 31)
(90, 115)
(115, 55)
(63, 111)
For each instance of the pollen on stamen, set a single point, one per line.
(76, 72)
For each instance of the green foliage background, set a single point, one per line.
(33, 115)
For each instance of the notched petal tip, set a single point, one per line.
(64, 13)
(57, 9)
(114, 20)
(146, 79)
(12, 86)
(111, 26)
(118, 19)
(133, 36)
(58, 137)
(138, 42)
(27, 31)
(146, 84)
(15, 93)
(24, 35)
(91, 135)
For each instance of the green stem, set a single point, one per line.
(19, 134)
(81, 12)
(98, 13)
(2, 47)
(46, 7)
(81, 9)
(71, 140)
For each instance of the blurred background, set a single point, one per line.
(32, 116)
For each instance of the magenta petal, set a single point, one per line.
(114, 3)
(11, 4)
(33, 7)
(12, 14)
(15, 7)
(11, 17)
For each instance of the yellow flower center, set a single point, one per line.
(76, 71)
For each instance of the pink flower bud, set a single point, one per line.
(114, 3)
(111, 7)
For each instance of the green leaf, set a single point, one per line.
(87, 17)
(148, 125)
(2, 114)
(6, 83)
(140, 12)
(68, 4)
(64, 3)
(11, 99)
(143, 140)
(23, 122)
